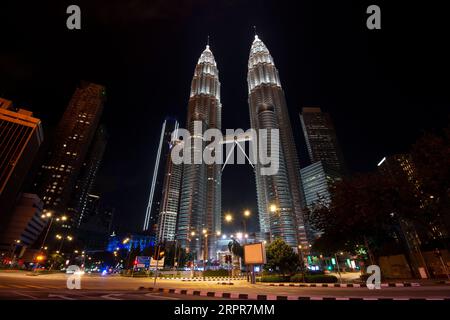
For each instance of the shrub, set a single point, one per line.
(274, 278)
(319, 278)
(298, 278)
(216, 273)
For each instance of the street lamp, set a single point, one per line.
(247, 214)
(228, 217)
(205, 249)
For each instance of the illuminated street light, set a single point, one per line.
(193, 233)
(247, 213)
(204, 231)
(126, 240)
(218, 233)
(228, 218)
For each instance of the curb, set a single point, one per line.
(344, 285)
(254, 296)
(206, 279)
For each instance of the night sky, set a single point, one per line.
(382, 87)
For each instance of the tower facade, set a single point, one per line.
(21, 136)
(279, 196)
(156, 190)
(81, 200)
(200, 205)
(321, 140)
(170, 199)
(57, 178)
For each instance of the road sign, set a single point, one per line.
(142, 261)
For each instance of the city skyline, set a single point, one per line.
(238, 151)
(313, 74)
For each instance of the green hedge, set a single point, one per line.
(320, 278)
(216, 273)
(274, 278)
(298, 278)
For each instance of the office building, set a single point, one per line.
(321, 140)
(279, 196)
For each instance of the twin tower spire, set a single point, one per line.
(200, 210)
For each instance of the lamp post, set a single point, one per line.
(13, 249)
(247, 214)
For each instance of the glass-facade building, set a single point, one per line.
(268, 110)
(200, 203)
(321, 140)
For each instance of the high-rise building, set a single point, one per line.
(95, 227)
(20, 138)
(75, 132)
(279, 195)
(316, 181)
(200, 203)
(399, 166)
(156, 190)
(79, 204)
(321, 140)
(170, 199)
(25, 225)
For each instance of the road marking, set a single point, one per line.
(111, 296)
(36, 287)
(25, 295)
(59, 296)
(155, 295)
(17, 286)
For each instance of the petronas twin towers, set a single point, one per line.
(279, 196)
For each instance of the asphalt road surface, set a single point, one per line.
(20, 285)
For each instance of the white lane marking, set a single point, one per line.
(155, 295)
(111, 296)
(59, 296)
(25, 295)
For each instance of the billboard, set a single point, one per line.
(154, 263)
(254, 253)
(142, 262)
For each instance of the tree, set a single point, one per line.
(281, 257)
(431, 158)
(364, 211)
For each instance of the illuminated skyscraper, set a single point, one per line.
(170, 199)
(321, 140)
(56, 181)
(156, 189)
(200, 204)
(279, 195)
(21, 135)
(83, 188)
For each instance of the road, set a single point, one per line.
(19, 285)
